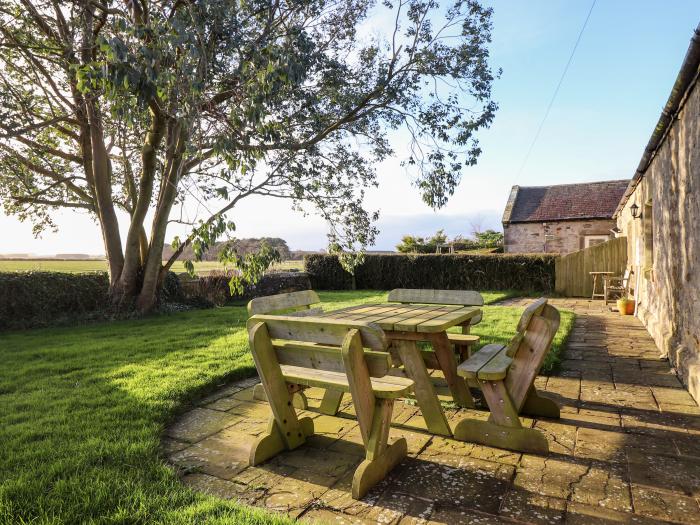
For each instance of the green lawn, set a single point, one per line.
(82, 410)
(98, 265)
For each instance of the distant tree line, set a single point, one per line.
(242, 247)
(439, 242)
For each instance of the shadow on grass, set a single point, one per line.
(83, 410)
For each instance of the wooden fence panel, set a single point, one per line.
(572, 271)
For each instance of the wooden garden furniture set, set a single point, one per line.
(371, 352)
(617, 285)
(612, 285)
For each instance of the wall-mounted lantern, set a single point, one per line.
(634, 209)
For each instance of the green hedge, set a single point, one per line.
(37, 298)
(466, 272)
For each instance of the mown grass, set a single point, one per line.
(82, 410)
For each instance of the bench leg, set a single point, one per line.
(503, 429)
(381, 457)
(463, 351)
(509, 438)
(331, 402)
(537, 406)
(272, 442)
(299, 399)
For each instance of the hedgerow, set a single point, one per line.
(470, 272)
(38, 298)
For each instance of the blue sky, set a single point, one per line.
(605, 111)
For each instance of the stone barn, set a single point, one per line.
(562, 218)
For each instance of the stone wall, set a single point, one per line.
(664, 244)
(560, 237)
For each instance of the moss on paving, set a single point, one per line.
(82, 410)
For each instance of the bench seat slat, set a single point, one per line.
(497, 367)
(471, 366)
(464, 339)
(388, 387)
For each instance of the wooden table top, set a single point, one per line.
(396, 317)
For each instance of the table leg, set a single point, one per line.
(423, 388)
(448, 365)
(595, 285)
(605, 289)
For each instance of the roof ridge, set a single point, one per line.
(582, 201)
(576, 183)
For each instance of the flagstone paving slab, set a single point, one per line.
(625, 450)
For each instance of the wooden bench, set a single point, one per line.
(462, 343)
(293, 303)
(506, 376)
(299, 303)
(292, 353)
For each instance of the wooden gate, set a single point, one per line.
(572, 277)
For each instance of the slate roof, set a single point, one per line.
(590, 200)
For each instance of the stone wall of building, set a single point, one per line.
(664, 244)
(553, 237)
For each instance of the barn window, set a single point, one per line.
(592, 240)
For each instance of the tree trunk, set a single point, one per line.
(153, 269)
(102, 174)
(134, 256)
(99, 171)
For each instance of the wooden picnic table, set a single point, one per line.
(407, 324)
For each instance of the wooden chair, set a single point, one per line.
(462, 343)
(506, 376)
(294, 303)
(619, 285)
(292, 353)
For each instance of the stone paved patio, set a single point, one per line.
(626, 449)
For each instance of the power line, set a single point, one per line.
(556, 92)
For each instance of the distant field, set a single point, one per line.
(101, 266)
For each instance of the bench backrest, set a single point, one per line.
(536, 330)
(313, 342)
(299, 302)
(453, 297)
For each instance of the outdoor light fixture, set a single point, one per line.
(635, 211)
